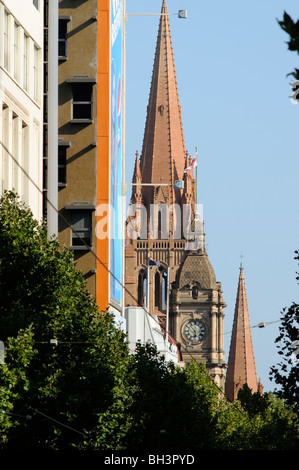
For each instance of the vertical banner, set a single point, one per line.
(116, 118)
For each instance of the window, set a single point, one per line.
(142, 288)
(62, 149)
(62, 43)
(25, 63)
(164, 291)
(82, 101)
(62, 165)
(36, 74)
(5, 40)
(16, 51)
(81, 224)
(194, 292)
(157, 290)
(36, 4)
(25, 161)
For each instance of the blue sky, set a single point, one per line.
(232, 63)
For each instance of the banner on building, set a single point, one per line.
(116, 119)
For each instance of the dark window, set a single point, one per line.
(164, 291)
(81, 224)
(35, 3)
(82, 101)
(62, 164)
(194, 292)
(157, 290)
(62, 44)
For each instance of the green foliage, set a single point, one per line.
(279, 427)
(274, 425)
(19, 352)
(76, 382)
(292, 29)
(257, 422)
(87, 392)
(286, 373)
(173, 408)
(252, 403)
(233, 427)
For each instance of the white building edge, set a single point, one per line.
(142, 327)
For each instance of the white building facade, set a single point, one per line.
(144, 328)
(21, 100)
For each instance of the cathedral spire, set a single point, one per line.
(241, 363)
(137, 172)
(163, 152)
(136, 189)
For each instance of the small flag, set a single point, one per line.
(193, 164)
(152, 262)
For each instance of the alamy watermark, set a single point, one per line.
(295, 354)
(295, 95)
(157, 221)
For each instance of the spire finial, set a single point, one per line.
(241, 264)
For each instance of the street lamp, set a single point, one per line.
(181, 14)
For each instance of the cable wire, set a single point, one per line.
(91, 251)
(58, 422)
(87, 246)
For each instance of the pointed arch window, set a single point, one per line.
(164, 291)
(159, 223)
(142, 287)
(162, 226)
(157, 290)
(160, 283)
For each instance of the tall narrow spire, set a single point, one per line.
(241, 363)
(163, 152)
(136, 190)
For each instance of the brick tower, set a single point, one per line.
(241, 363)
(163, 225)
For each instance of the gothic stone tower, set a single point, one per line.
(157, 227)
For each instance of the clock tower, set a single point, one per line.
(180, 286)
(197, 313)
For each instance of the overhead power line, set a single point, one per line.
(59, 422)
(95, 255)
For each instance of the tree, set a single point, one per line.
(286, 373)
(274, 424)
(69, 388)
(252, 403)
(14, 381)
(174, 408)
(84, 390)
(292, 29)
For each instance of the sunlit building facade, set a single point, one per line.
(21, 100)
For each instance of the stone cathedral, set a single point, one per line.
(164, 226)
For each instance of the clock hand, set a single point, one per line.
(193, 329)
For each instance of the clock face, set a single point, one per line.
(195, 331)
